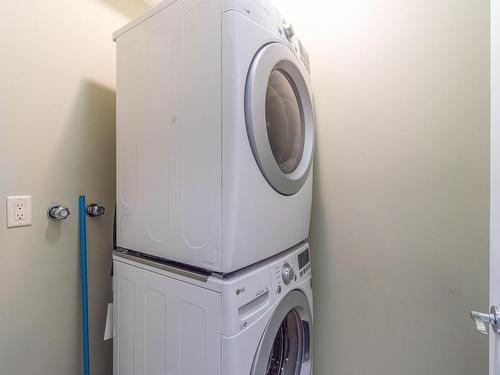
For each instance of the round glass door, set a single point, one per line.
(285, 347)
(284, 121)
(279, 118)
(286, 352)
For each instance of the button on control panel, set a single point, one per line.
(305, 270)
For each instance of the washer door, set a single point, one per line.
(280, 118)
(286, 343)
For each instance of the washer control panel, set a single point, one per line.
(286, 273)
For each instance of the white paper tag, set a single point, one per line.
(108, 331)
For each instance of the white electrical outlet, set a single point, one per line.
(18, 211)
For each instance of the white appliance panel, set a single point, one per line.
(257, 221)
(169, 134)
(164, 326)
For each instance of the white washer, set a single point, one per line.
(215, 134)
(173, 321)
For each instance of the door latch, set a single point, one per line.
(483, 320)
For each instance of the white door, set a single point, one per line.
(495, 180)
(490, 322)
(279, 117)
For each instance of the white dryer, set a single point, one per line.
(168, 320)
(215, 134)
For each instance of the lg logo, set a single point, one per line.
(240, 291)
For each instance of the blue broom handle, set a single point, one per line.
(83, 264)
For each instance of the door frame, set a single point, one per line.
(494, 346)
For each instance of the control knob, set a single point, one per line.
(287, 274)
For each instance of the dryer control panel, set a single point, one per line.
(264, 13)
(290, 271)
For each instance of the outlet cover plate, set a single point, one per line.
(18, 211)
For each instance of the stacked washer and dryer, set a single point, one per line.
(215, 137)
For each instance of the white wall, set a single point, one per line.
(57, 128)
(400, 217)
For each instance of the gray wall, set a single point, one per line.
(400, 221)
(57, 130)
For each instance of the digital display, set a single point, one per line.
(303, 259)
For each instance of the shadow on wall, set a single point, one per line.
(126, 7)
(86, 144)
(322, 256)
(84, 164)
